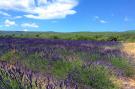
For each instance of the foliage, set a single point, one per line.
(98, 36)
(10, 56)
(7, 82)
(76, 62)
(97, 77)
(124, 65)
(35, 62)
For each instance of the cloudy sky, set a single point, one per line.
(67, 15)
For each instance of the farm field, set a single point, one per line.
(67, 44)
(35, 63)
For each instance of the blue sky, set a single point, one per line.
(67, 15)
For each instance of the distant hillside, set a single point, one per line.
(131, 31)
(98, 36)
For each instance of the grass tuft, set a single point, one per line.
(96, 77)
(36, 63)
(124, 65)
(10, 56)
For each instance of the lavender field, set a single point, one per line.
(67, 44)
(30, 63)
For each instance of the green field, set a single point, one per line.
(128, 36)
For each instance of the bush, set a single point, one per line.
(35, 62)
(10, 56)
(124, 65)
(96, 77)
(54, 37)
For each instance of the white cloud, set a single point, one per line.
(4, 13)
(102, 21)
(9, 23)
(25, 30)
(99, 20)
(44, 9)
(34, 25)
(96, 17)
(17, 17)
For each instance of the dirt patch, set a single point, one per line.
(129, 48)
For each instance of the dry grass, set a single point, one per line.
(125, 83)
(129, 48)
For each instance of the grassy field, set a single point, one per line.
(29, 62)
(128, 36)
